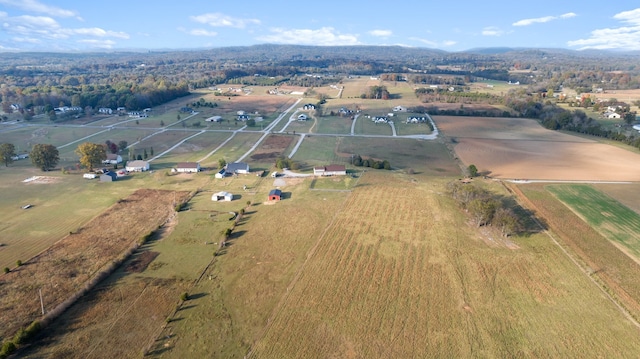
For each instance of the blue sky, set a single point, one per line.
(91, 25)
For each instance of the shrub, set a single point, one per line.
(184, 296)
(19, 263)
(7, 270)
(8, 348)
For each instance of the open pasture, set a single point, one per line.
(308, 126)
(195, 149)
(238, 146)
(614, 270)
(403, 128)
(613, 220)
(420, 283)
(628, 194)
(334, 125)
(364, 126)
(321, 150)
(423, 157)
(522, 149)
(61, 204)
(24, 138)
(66, 266)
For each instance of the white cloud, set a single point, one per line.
(38, 7)
(435, 44)
(98, 44)
(624, 37)
(381, 33)
(492, 31)
(44, 29)
(326, 36)
(527, 22)
(202, 32)
(221, 20)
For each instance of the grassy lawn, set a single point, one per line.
(365, 126)
(320, 150)
(424, 157)
(334, 124)
(612, 219)
(24, 138)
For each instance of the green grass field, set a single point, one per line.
(613, 220)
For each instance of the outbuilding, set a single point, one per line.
(221, 173)
(222, 196)
(137, 166)
(108, 177)
(275, 195)
(188, 167)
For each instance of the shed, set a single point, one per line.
(190, 167)
(237, 167)
(137, 166)
(275, 195)
(108, 177)
(221, 173)
(222, 196)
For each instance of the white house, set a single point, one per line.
(188, 167)
(612, 115)
(137, 166)
(237, 167)
(112, 159)
(222, 196)
(105, 110)
(302, 117)
(399, 109)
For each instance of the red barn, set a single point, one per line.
(275, 195)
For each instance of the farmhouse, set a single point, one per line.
(243, 117)
(416, 119)
(112, 159)
(302, 117)
(309, 106)
(222, 196)
(221, 173)
(105, 111)
(108, 177)
(330, 170)
(380, 119)
(237, 167)
(137, 166)
(188, 167)
(275, 195)
(611, 115)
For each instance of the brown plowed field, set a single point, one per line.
(522, 149)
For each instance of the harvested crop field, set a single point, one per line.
(273, 146)
(67, 266)
(522, 149)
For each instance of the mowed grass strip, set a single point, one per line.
(609, 217)
(400, 274)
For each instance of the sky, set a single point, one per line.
(115, 25)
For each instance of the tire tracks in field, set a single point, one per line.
(285, 296)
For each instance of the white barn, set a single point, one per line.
(222, 196)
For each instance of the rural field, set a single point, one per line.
(377, 264)
(522, 149)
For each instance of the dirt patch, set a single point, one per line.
(522, 149)
(141, 262)
(272, 147)
(69, 264)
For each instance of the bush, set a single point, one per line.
(19, 263)
(8, 348)
(7, 270)
(184, 296)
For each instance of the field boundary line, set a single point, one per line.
(276, 311)
(586, 272)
